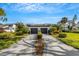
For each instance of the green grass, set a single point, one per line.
(72, 36)
(72, 39)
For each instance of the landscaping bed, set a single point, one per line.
(7, 39)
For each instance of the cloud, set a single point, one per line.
(40, 12)
(28, 7)
(36, 7)
(41, 7)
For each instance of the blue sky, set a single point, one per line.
(39, 13)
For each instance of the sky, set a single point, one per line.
(39, 13)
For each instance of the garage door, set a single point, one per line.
(34, 30)
(44, 30)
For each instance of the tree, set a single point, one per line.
(2, 15)
(54, 29)
(55, 25)
(21, 28)
(74, 19)
(64, 20)
(63, 23)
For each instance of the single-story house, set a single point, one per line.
(7, 28)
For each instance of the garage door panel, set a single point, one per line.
(34, 30)
(44, 30)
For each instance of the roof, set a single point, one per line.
(38, 25)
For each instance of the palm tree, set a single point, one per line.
(2, 15)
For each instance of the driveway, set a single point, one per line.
(53, 48)
(57, 48)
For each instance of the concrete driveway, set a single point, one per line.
(53, 48)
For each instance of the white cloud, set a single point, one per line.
(49, 8)
(35, 7)
(28, 7)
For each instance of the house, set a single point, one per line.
(7, 28)
(77, 25)
(35, 28)
(1, 28)
(64, 27)
(69, 24)
(10, 28)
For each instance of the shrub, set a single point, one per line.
(54, 30)
(39, 35)
(62, 36)
(7, 43)
(6, 35)
(75, 31)
(19, 33)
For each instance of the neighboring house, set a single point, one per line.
(7, 28)
(68, 24)
(1, 28)
(77, 25)
(64, 27)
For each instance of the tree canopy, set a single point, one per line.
(64, 20)
(2, 12)
(2, 15)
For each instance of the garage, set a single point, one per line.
(34, 30)
(44, 30)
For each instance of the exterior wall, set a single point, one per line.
(39, 28)
(10, 28)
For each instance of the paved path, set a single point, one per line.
(53, 48)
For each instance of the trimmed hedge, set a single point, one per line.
(62, 36)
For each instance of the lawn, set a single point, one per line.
(72, 39)
(72, 36)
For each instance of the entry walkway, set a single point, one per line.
(53, 48)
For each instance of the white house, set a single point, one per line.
(64, 27)
(7, 28)
(69, 24)
(10, 28)
(77, 24)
